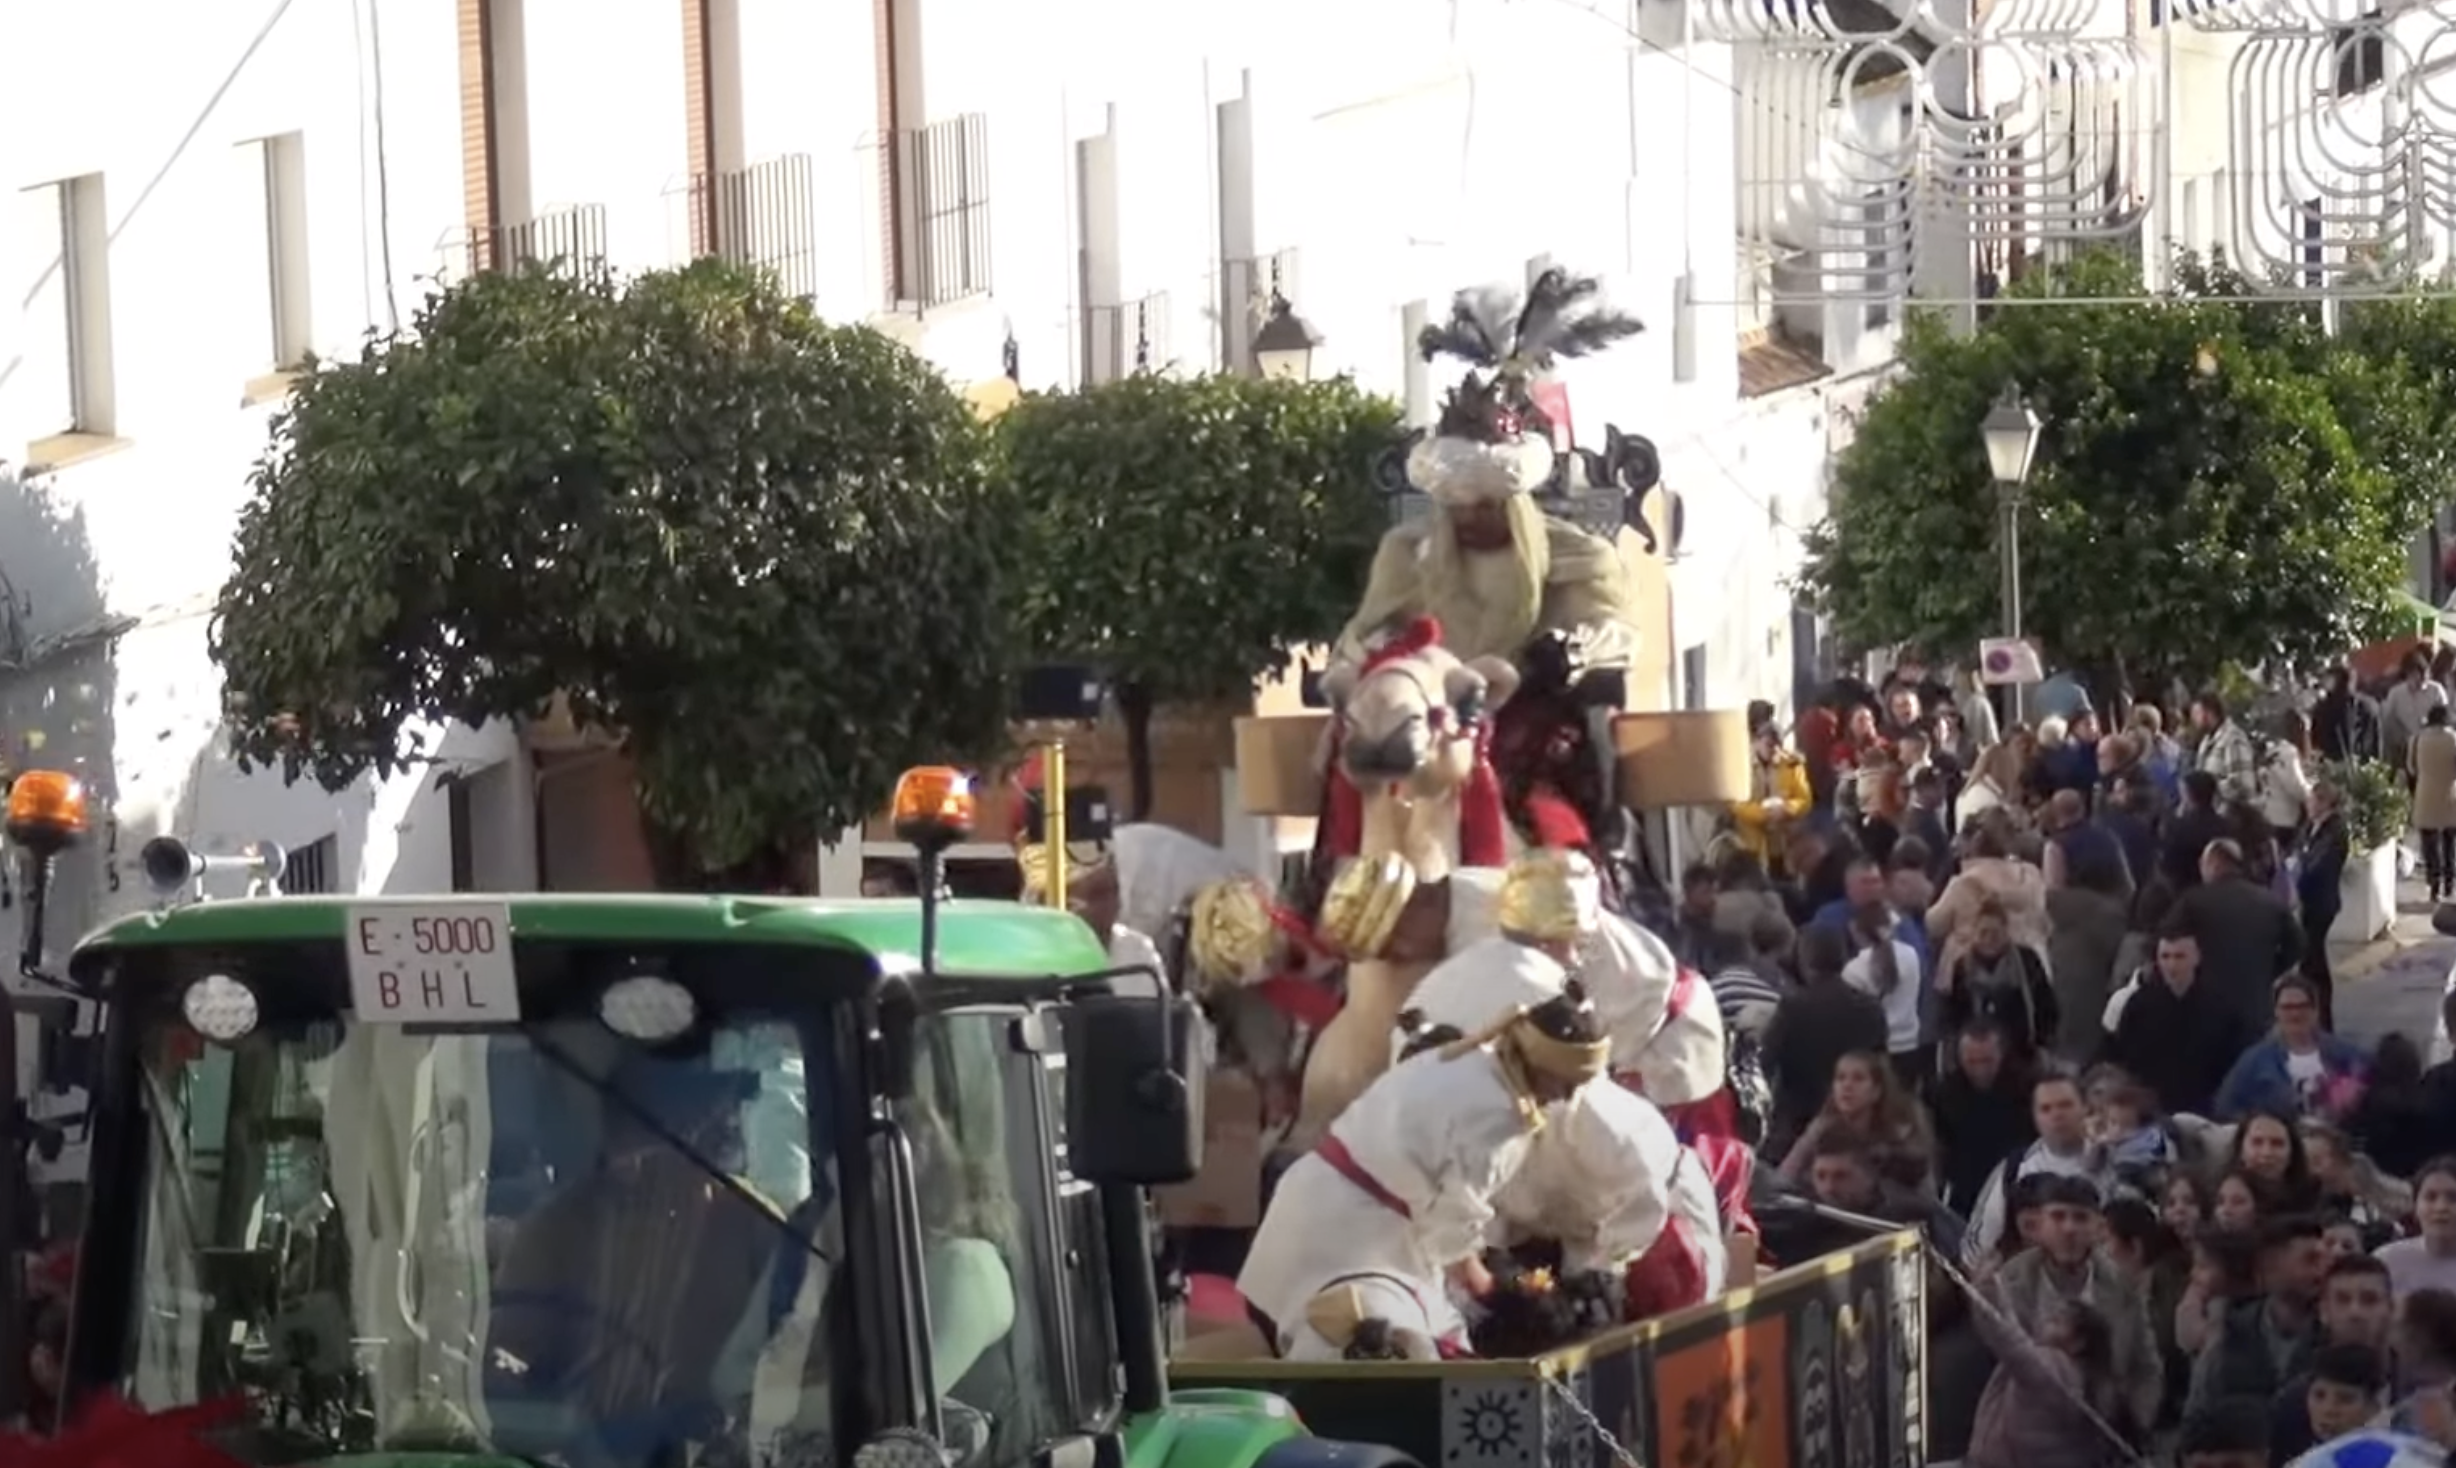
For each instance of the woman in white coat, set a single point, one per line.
(1366, 1234)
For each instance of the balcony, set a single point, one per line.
(764, 217)
(938, 183)
(574, 237)
(1121, 340)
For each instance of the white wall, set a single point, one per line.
(1399, 153)
(133, 540)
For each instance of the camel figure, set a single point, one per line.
(1413, 801)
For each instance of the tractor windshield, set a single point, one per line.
(550, 1244)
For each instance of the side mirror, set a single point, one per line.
(1134, 1086)
(64, 1059)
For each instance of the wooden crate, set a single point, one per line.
(1820, 1364)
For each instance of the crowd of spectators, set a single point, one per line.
(2062, 997)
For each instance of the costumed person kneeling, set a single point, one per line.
(1665, 1027)
(1368, 1233)
(1609, 1183)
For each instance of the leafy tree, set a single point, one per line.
(2217, 480)
(760, 546)
(1187, 533)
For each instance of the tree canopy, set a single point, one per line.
(1189, 533)
(2219, 479)
(761, 546)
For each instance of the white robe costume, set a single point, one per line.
(1159, 868)
(1666, 1029)
(1437, 1138)
(1605, 1177)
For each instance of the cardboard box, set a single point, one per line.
(1276, 763)
(1687, 758)
(1228, 1191)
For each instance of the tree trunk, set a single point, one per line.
(675, 864)
(1134, 705)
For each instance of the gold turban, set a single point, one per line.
(1229, 933)
(1524, 1050)
(1361, 911)
(1551, 895)
(1574, 1061)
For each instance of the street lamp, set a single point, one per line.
(2011, 434)
(1284, 346)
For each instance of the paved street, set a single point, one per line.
(2395, 983)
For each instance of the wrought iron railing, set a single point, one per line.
(764, 216)
(941, 192)
(575, 237)
(1122, 340)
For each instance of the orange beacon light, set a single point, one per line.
(46, 811)
(934, 807)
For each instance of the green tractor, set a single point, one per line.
(636, 1181)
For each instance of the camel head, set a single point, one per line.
(1411, 715)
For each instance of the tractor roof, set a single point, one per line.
(975, 938)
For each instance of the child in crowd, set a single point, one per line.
(2349, 1388)
(2230, 1433)
(2342, 1235)
(2225, 1268)
(2124, 1120)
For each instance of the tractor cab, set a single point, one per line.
(629, 1181)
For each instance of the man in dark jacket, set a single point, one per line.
(1814, 1026)
(2127, 813)
(2176, 1036)
(2248, 938)
(2345, 721)
(1820, 856)
(2266, 1341)
(2320, 888)
(1982, 1112)
(2358, 1310)
(2197, 823)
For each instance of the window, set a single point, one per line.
(310, 869)
(272, 184)
(289, 1167)
(1693, 677)
(765, 217)
(1001, 1285)
(2361, 54)
(941, 177)
(64, 237)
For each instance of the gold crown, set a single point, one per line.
(1229, 935)
(1361, 910)
(1553, 895)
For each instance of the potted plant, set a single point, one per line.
(2376, 810)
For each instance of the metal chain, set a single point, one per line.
(1622, 1454)
(1603, 1434)
(1980, 1300)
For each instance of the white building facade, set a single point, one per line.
(1057, 199)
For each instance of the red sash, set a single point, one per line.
(1343, 1162)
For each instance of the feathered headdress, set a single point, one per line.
(1509, 343)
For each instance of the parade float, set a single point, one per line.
(392, 1182)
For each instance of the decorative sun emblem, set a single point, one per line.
(1489, 1425)
(1492, 1422)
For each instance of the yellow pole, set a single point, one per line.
(1053, 818)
